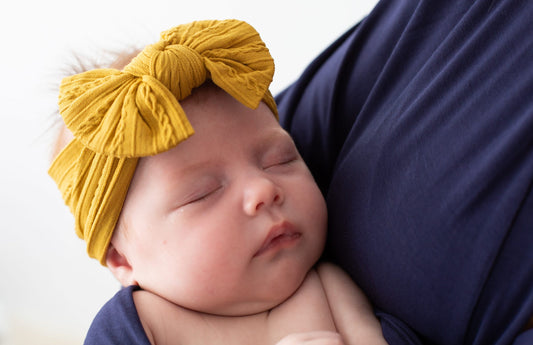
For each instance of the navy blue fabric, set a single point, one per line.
(418, 126)
(118, 322)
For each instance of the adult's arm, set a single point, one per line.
(418, 126)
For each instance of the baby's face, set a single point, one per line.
(230, 220)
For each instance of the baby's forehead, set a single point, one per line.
(205, 93)
(219, 138)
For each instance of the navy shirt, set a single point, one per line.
(118, 323)
(418, 126)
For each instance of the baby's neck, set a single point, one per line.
(306, 310)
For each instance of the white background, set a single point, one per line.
(49, 289)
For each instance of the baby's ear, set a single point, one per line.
(119, 266)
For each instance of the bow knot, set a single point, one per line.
(176, 66)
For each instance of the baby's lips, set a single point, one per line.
(281, 233)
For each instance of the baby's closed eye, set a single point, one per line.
(203, 194)
(280, 156)
(195, 190)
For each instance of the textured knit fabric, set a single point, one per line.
(118, 323)
(418, 126)
(118, 116)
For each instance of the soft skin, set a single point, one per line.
(196, 218)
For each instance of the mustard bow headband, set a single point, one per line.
(117, 117)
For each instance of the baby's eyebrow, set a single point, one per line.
(182, 178)
(200, 167)
(263, 142)
(273, 136)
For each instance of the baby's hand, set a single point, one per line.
(312, 338)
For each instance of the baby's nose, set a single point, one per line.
(261, 193)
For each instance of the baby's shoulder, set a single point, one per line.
(331, 276)
(320, 280)
(353, 314)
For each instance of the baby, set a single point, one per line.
(215, 236)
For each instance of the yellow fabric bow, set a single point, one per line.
(118, 116)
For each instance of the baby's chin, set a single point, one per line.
(244, 309)
(253, 304)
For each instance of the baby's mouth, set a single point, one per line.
(280, 236)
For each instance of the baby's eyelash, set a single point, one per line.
(204, 196)
(287, 160)
(282, 161)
